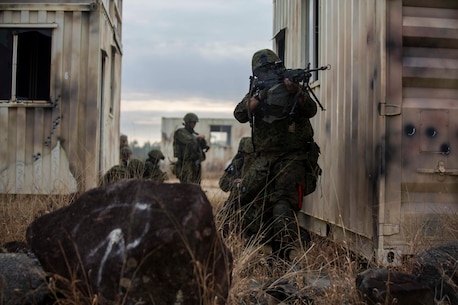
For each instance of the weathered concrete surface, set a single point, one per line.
(137, 241)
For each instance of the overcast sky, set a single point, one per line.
(182, 56)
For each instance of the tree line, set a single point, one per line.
(141, 152)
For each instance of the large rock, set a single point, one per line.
(383, 286)
(22, 280)
(438, 269)
(137, 241)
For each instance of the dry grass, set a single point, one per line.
(321, 271)
(18, 211)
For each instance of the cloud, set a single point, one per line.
(141, 119)
(184, 55)
(177, 106)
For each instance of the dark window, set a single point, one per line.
(112, 78)
(313, 35)
(281, 44)
(6, 59)
(25, 63)
(220, 135)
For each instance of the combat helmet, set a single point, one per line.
(126, 150)
(190, 117)
(156, 154)
(263, 57)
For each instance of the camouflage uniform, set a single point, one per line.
(123, 141)
(281, 141)
(125, 154)
(124, 147)
(152, 169)
(116, 173)
(230, 181)
(135, 168)
(239, 163)
(189, 151)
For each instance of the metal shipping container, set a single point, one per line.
(59, 94)
(389, 134)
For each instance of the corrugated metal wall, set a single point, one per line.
(288, 15)
(389, 130)
(423, 88)
(60, 147)
(348, 131)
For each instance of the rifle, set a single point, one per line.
(276, 73)
(201, 142)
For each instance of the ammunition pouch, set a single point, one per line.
(313, 170)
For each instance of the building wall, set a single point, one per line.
(62, 144)
(289, 16)
(421, 104)
(393, 72)
(348, 42)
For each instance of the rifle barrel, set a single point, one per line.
(327, 67)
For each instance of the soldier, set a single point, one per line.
(234, 171)
(119, 172)
(231, 180)
(123, 141)
(152, 169)
(282, 133)
(136, 168)
(189, 148)
(126, 154)
(116, 173)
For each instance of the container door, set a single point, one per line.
(421, 110)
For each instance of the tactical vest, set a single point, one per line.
(278, 104)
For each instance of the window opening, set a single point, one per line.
(220, 135)
(25, 58)
(281, 44)
(6, 62)
(313, 35)
(112, 78)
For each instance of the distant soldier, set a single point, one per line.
(136, 168)
(123, 141)
(119, 172)
(152, 168)
(189, 148)
(116, 173)
(125, 155)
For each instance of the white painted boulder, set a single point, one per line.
(137, 242)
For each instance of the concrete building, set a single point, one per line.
(223, 136)
(59, 94)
